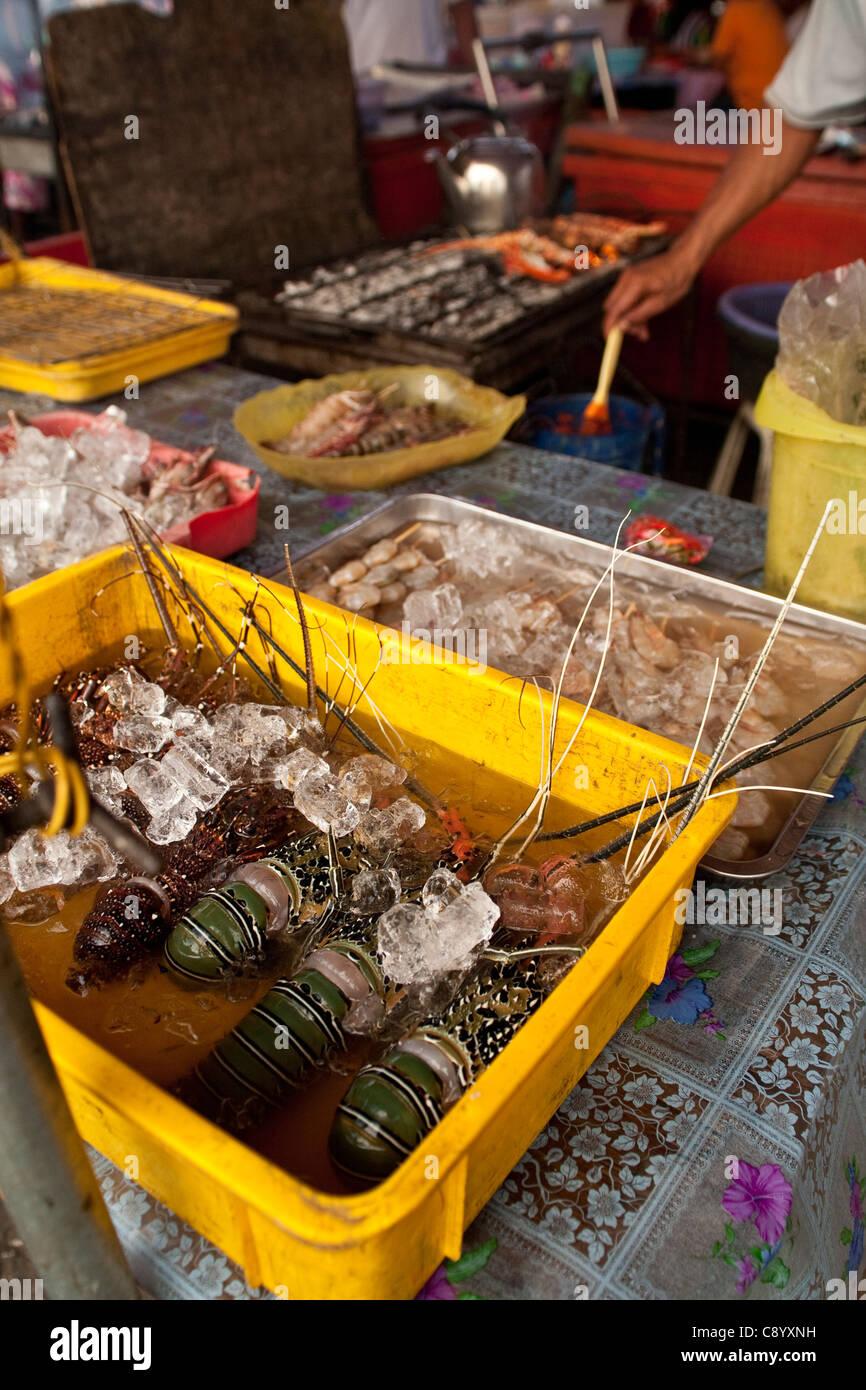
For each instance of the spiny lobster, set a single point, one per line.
(391, 1105)
(128, 922)
(301, 1020)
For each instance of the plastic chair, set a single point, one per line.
(750, 314)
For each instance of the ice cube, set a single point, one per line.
(155, 784)
(383, 830)
(481, 550)
(141, 733)
(7, 883)
(113, 451)
(354, 782)
(117, 688)
(441, 889)
(39, 861)
(195, 778)
(325, 804)
(375, 890)
(472, 915)
(107, 785)
(185, 720)
(432, 609)
(259, 729)
(407, 817)
(376, 831)
(380, 773)
(420, 949)
(147, 698)
(403, 940)
(298, 765)
(172, 824)
(297, 721)
(222, 758)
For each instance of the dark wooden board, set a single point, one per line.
(248, 135)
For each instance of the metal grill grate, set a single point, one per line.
(46, 326)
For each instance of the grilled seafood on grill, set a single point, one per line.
(547, 251)
(618, 237)
(523, 252)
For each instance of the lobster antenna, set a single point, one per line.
(350, 709)
(543, 793)
(663, 823)
(305, 633)
(358, 733)
(762, 753)
(174, 645)
(183, 592)
(552, 771)
(630, 873)
(736, 716)
(332, 706)
(267, 652)
(186, 588)
(608, 850)
(344, 666)
(681, 799)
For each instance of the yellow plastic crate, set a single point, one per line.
(90, 330)
(383, 1243)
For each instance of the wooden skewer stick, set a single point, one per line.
(568, 593)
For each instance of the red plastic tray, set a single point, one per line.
(218, 533)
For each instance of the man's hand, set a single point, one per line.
(644, 290)
(749, 183)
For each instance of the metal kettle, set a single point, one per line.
(493, 183)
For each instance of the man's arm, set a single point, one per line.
(751, 180)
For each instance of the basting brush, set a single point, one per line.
(596, 417)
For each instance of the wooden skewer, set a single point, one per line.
(568, 593)
(398, 540)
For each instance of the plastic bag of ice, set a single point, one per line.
(822, 341)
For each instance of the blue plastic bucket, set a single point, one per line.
(637, 442)
(750, 314)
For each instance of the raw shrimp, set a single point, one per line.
(650, 643)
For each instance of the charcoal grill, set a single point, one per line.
(455, 309)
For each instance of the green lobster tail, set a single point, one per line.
(384, 1115)
(289, 1032)
(225, 929)
(391, 1105)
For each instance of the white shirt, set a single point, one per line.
(823, 79)
(382, 30)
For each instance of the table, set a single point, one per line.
(734, 1094)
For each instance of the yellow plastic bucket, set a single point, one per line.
(384, 1243)
(816, 460)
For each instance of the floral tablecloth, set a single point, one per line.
(717, 1147)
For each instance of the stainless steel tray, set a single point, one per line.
(345, 543)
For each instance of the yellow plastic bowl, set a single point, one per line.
(271, 414)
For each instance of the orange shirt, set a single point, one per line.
(751, 43)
